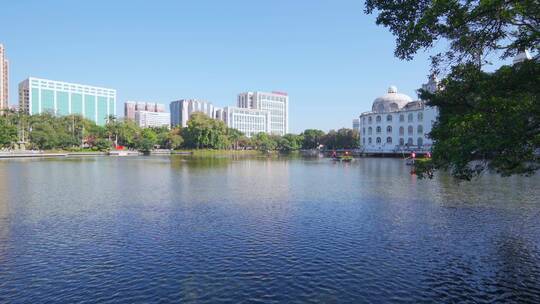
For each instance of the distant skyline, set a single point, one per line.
(329, 56)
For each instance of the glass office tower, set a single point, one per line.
(38, 96)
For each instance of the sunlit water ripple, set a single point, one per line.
(173, 229)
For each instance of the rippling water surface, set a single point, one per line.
(173, 229)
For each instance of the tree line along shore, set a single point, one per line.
(74, 133)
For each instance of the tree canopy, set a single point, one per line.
(473, 29)
(486, 120)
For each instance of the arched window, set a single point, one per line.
(420, 141)
(410, 117)
(394, 106)
(401, 131)
(401, 117)
(410, 141)
(370, 119)
(389, 140)
(401, 141)
(369, 130)
(420, 129)
(369, 140)
(389, 129)
(364, 131)
(410, 130)
(420, 116)
(378, 118)
(389, 118)
(378, 129)
(364, 140)
(378, 140)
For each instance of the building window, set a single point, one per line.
(401, 141)
(409, 141)
(378, 118)
(401, 117)
(378, 140)
(389, 118)
(410, 130)
(401, 131)
(370, 119)
(378, 129)
(369, 140)
(364, 131)
(370, 131)
(410, 117)
(389, 140)
(389, 129)
(420, 141)
(420, 129)
(364, 140)
(420, 116)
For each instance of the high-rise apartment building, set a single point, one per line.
(130, 107)
(247, 121)
(276, 103)
(38, 95)
(182, 109)
(4, 79)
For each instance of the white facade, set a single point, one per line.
(147, 119)
(247, 121)
(4, 79)
(277, 105)
(131, 106)
(397, 124)
(182, 109)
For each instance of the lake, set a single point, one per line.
(260, 230)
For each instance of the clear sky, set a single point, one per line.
(328, 55)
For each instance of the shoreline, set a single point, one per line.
(52, 154)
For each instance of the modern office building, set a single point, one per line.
(4, 79)
(182, 109)
(247, 121)
(147, 119)
(276, 103)
(38, 95)
(397, 124)
(130, 107)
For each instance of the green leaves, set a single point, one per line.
(8, 132)
(470, 28)
(488, 121)
(204, 132)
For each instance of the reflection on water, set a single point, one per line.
(229, 229)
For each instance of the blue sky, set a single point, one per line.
(328, 55)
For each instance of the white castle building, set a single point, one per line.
(397, 124)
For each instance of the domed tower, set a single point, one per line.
(391, 101)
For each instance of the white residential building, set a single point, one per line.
(182, 109)
(398, 124)
(247, 121)
(147, 119)
(277, 105)
(131, 106)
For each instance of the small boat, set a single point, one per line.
(123, 153)
(345, 158)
